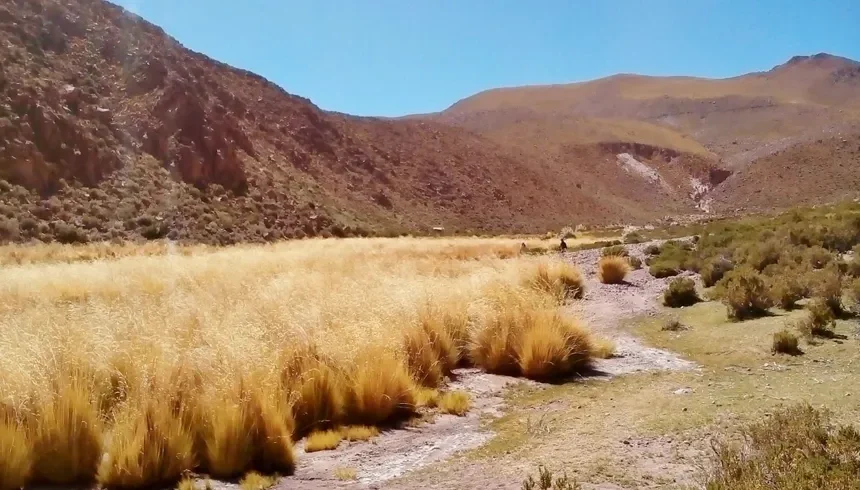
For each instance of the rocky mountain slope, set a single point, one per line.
(111, 129)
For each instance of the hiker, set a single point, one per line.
(563, 246)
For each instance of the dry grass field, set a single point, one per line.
(129, 367)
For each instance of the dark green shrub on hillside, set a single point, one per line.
(714, 270)
(745, 293)
(68, 234)
(681, 292)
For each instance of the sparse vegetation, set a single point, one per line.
(603, 348)
(345, 473)
(547, 481)
(615, 251)
(681, 292)
(745, 293)
(455, 403)
(635, 262)
(612, 269)
(714, 270)
(785, 342)
(797, 447)
(256, 481)
(325, 440)
(786, 290)
(359, 432)
(634, 237)
(559, 279)
(673, 325)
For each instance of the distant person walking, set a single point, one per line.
(563, 246)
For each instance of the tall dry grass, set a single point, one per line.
(131, 371)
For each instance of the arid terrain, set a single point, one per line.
(209, 283)
(113, 130)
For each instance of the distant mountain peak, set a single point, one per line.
(822, 60)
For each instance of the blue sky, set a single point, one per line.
(396, 57)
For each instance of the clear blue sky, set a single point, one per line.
(395, 57)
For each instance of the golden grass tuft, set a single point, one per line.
(354, 433)
(455, 403)
(552, 345)
(603, 348)
(559, 279)
(324, 440)
(187, 483)
(426, 397)
(612, 269)
(345, 474)
(256, 481)
(214, 360)
(382, 389)
(16, 459)
(67, 433)
(148, 446)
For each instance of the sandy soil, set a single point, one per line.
(393, 460)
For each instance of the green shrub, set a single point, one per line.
(653, 249)
(796, 448)
(759, 255)
(615, 251)
(635, 262)
(633, 237)
(786, 290)
(714, 270)
(681, 292)
(661, 269)
(745, 293)
(66, 233)
(821, 318)
(818, 257)
(827, 284)
(785, 342)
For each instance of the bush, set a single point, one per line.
(661, 269)
(715, 269)
(673, 325)
(681, 292)
(821, 317)
(633, 237)
(68, 234)
(653, 249)
(796, 448)
(853, 294)
(546, 481)
(9, 230)
(612, 270)
(785, 342)
(745, 293)
(827, 285)
(635, 262)
(786, 290)
(818, 257)
(559, 279)
(455, 403)
(615, 251)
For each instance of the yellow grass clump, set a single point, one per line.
(612, 269)
(256, 481)
(359, 432)
(559, 279)
(129, 367)
(325, 440)
(455, 403)
(603, 348)
(186, 483)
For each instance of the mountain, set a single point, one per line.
(749, 125)
(111, 129)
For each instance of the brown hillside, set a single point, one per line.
(823, 171)
(737, 119)
(112, 129)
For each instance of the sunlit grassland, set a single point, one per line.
(132, 369)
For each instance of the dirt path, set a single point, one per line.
(606, 307)
(392, 455)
